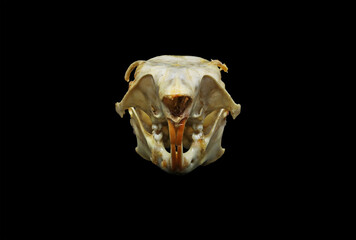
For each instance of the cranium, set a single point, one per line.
(178, 102)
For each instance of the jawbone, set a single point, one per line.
(203, 150)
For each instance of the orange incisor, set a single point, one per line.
(176, 137)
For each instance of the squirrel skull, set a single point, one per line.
(178, 103)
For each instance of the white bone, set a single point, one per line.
(157, 137)
(196, 82)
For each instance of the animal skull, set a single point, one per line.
(178, 102)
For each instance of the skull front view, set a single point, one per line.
(178, 103)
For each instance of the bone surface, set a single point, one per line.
(178, 102)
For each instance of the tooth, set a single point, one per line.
(157, 137)
(198, 136)
(176, 138)
(197, 127)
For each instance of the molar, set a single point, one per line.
(157, 137)
(156, 127)
(198, 136)
(198, 127)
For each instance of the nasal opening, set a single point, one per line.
(176, 104)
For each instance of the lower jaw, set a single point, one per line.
(200, 152)
(151, 147)
(189, 160)
(176, 161)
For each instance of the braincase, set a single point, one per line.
(167, 75)
(187, 70)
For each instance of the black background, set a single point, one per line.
(70, 160)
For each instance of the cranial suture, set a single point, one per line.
(178, 107)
